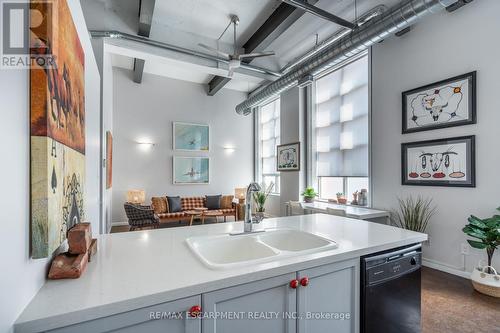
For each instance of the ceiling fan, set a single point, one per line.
(235, 58)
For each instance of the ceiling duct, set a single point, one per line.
(147, 41)
(358, 40)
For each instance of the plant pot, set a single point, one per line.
(342, 201)
(485, 283)
(309, 199)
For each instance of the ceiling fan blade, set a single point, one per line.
(257, 54)
(214, 50)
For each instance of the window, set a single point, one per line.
(339, 124)
(268, 138)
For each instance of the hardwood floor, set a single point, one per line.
(449, 303)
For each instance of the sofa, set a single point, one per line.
(161, 209)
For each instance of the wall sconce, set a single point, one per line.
(145, 146)
(229, 149)
(136, 196)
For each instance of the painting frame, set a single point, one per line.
(175, 163)
(470, 142)
(471, 77)
(57, 129)
(280, 149)
(175, 139)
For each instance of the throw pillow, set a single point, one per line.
(174, 204)
(226, 202)
(213, 201)
(159, 204)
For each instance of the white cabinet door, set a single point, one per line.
(330, 300)
(168, 317)
(256, 307)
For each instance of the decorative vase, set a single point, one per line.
(308, 199)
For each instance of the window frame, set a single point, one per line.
(259, 175)
(312, 176)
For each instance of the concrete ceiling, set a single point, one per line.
(189, 22)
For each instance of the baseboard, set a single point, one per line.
(445, 268)
(116, 224)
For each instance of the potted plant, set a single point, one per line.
(413, 214)
(309, 194)
(486, 234)
(260, 200)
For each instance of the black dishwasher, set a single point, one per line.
(390, 291)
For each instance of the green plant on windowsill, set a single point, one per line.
(413, 214)
(486, 233)
(309, 194)
(261, 197)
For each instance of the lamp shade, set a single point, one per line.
(136, 196)
(240, 193)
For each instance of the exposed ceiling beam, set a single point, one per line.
(216, 84)
(320, 13)
(146, 9)
(277, 23)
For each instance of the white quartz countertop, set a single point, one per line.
(137, 269)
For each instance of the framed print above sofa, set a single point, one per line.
(191, 170)
(447, 103)
(442, 162)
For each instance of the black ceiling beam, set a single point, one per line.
(146, 9)
(279, 21)
(216, 84)
(320, 13)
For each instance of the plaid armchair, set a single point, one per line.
(140, 216)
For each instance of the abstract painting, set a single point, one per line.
(192, 137)
(57, 98)
(447, 103)
(191, 170)
(109, 160)
(443, 162)
(288, 157)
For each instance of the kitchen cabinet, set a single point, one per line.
(319, 299)
(171, 317)
(261, 306)
(330, 300)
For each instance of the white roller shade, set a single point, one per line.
(341, 122)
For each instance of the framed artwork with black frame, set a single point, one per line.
(447, 103)
(442, 162)
(288, 157)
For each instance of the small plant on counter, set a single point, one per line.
(413, 214)
(309, 194)
(261, 197)
(486, 233)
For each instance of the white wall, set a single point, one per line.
(146, 111)
(441, 46)
(22, 277)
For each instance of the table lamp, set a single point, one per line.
(136, 196)
(240, 193)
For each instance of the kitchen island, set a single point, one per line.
(146, 281)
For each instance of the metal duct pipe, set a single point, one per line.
(397, 18)
(169, 47)
(369, 15)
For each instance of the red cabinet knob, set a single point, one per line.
(195, 311)
(294, 284)
(304, 281)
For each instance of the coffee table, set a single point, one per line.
(212, 213)
(193, 214)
